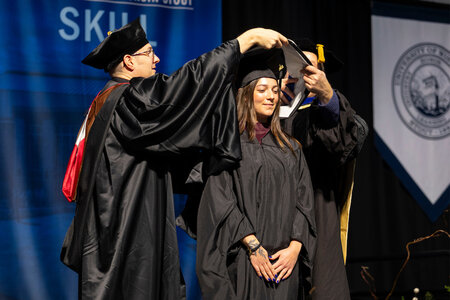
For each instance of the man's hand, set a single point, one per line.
(287, 258)
(317, 83)
(266, 38)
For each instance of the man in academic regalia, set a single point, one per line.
(331, 135)
(122, 241)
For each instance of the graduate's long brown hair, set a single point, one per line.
(247, 116)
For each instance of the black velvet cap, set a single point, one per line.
(258, 62)
(332, 63)
(126, 40)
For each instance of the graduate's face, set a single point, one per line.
(146, 61)
(265, 98)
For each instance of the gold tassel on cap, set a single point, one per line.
(320, 56)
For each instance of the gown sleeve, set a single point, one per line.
(304, 226)
(340, 140)
(192, 109)
(222, 221)
(330, 112)
(220, 227)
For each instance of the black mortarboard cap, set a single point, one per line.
(258, 62)
(332, 63)
(126, 40)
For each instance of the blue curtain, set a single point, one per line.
(44, 94)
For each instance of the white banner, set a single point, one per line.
(411, 96)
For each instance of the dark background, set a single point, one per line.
(45, 91)
(384, 216)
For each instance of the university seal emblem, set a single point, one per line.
(421, 90)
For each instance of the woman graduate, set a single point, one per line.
(256, 228)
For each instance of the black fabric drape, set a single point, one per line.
(384, 216)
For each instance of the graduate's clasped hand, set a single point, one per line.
(284, 262)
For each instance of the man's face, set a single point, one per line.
(312, 57)
(146, 62)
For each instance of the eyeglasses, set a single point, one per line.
(147, 52)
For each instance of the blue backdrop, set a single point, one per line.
(44, 94)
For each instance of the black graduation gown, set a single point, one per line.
(122, 241)
(327, 148)
(270, 195)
